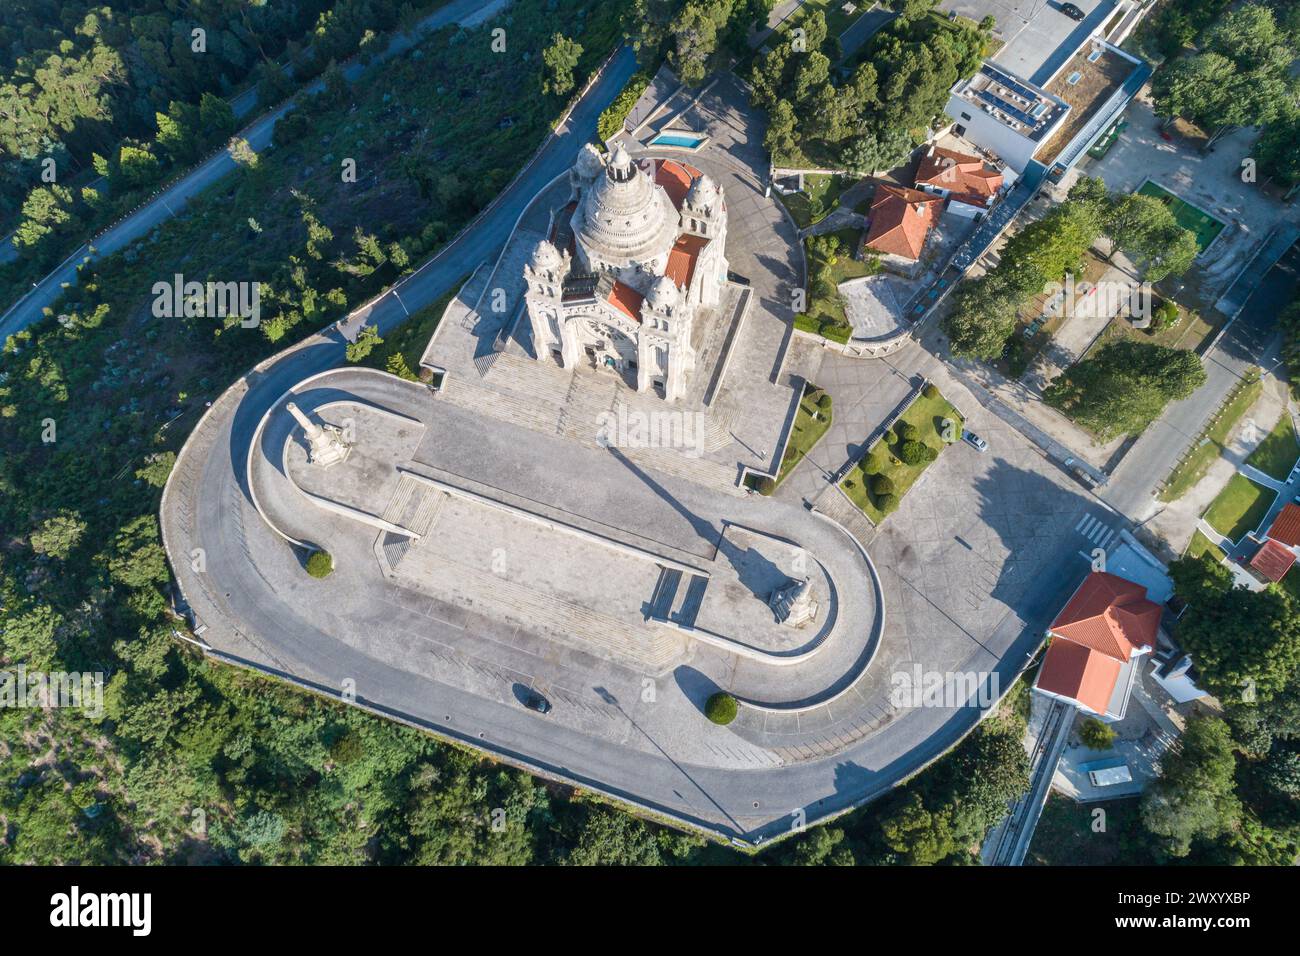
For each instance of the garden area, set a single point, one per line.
(831, 260)
(1239, 508)
(817, 200)
(811, 420)
(1200, 545)
(1276, 455)
(1214, 441)
(878, 482)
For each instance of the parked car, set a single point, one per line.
(970, 438)
(1073, 12)
(537, 702)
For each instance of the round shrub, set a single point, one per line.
(886, 503)
(824, 401)
(930, 391)
(720, 708)
(909, 432)
(875, 458)
(882, 484)
(1096, 735)
(916, 453)
(889, 437)
(320, 564)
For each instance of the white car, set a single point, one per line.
(970, 438)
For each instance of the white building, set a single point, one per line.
(636, 252)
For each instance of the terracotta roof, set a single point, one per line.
(682, 258)
(965, 176)
(1286, 526)
(901, 219)
(1078, 672)
(675, 178)
(626, 299)
(1273, 560)
(1109, 614)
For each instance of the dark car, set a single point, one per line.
(1073, 12)
(537, 702)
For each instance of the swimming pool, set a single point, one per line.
(679, 140)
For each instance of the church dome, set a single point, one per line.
(589, 164)
(703, 192)
(625, 217)
(664, 292)
(545, 256)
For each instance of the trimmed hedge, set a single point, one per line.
(720, 708)
(930, 391)
(882, 484)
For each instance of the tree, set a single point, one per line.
(695, 38)
(1096, 735)
(1144, 227)
(216, 119)
(781, 139)
(877, 150)
(1194, 796)
(1125, 386)
(136, 557)
(561, 59)
(58, 534)
(919, 835)
(47, 212)
(1244, 642)
(367, 339)
(881, 484)
(720, 708)
(320, 564)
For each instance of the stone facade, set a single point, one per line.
(631, 259)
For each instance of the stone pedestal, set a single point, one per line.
(793, 603)
(325, 443)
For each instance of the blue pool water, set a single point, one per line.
(677, 139)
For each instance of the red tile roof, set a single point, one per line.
(964, 176)
(627, 300)
(1273, 560)
(1286, 526)
(682, 258)
(1080, 673)
(901, 219)
(1109, 614)
(675, 178)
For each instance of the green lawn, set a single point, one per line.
(927, 414)
(810, 424)
(1206, 227)
(820, 196)
(1240, 507)
(1200, 545)
(1277, 453)
(1193, 468)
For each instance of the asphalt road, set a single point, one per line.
(174, 199)
(1250, 340)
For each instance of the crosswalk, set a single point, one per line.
(1096, 531)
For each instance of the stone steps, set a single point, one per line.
(834, 505)
(401, 498)
(427, 513)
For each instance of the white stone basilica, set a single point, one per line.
(635, 254)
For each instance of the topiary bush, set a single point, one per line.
(824, 401)
(889, 437)
(720, 708)
(916, 453)
(909, 432)
(882, 484)
(930, 391)
(320, 564)
(886, 503)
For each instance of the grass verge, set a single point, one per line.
(1213, 442)
(1240, 507)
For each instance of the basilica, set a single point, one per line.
(631, 260)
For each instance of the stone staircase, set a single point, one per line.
(833, 504)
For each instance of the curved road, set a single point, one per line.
(233, 603)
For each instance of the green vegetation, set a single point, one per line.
(831, 261)
(811, 420)
(1276, 455)
(720, 708)
(401, 350)
(610, 123)
(1213, 441)
(1238, 76)
(891, 93)
(817, 200)
(1202, 225)
(1200, 545)
(1095, 734)
(985, 310)
(1289, 323)
(320, 564)
(114, 99)
(1125, 386)
(1067, 834)
(889, 457)
(1239, 508)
